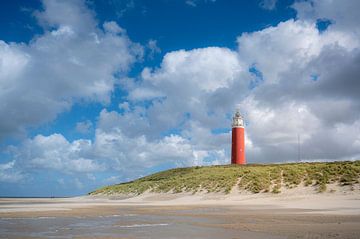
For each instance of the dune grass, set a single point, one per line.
(255, 178)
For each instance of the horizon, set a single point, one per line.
(101, 92)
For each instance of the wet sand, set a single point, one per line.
(103, 218)
(178, 217)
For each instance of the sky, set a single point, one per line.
(94, 93)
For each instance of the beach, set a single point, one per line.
(183, 216)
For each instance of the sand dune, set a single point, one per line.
(340, 201)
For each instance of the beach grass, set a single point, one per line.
(255, 178)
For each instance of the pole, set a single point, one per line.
(299, 152)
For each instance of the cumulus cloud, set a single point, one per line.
(137, 150)
(56, 153)
(296, 38)
(111, 150)
(67, 63)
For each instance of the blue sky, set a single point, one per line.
(100, 92)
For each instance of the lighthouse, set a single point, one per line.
(238, 139)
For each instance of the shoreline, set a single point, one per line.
(325, 203)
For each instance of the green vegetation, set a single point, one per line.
(255, 178)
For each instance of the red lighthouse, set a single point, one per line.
(238, 139)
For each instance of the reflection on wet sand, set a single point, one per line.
(172, 221)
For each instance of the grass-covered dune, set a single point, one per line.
(255, 178)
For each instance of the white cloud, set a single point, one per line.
(83, 127)
(12, 64)
(9, 174)
(63, 31)
(192, 84)
(123, 7)
(195, 3)
(57, 13)
(153, 48)
(126, 151)
(208, 68)
(113, 150)
(113, 27)
(139, 94)
(190, 3)
(291, 44)
(344, 14)
(56, 153)
(67, 63)
(141, 153)
(268, 4)
(124, 106)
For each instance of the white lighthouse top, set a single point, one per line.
(238, 120)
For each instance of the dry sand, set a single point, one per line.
(337, 200)
(295, 213)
